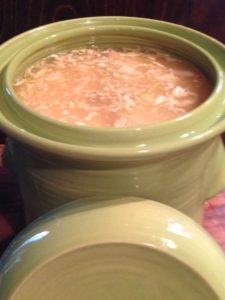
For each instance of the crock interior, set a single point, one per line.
(113, 37)
(107, 35)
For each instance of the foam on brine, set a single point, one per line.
(112, 87)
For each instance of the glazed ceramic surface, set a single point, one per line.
(179, 162)
(128, 248)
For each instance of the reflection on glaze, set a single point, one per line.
(178, 229)
(141, 146)
(187, 134)
(16, 257)
(188, 115)
(199, 136)
(169, 243)
(32, 239)
(143, 151)
(202, 135)
(35, 238)
(8, 266)
(219, 85)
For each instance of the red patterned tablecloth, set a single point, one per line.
(12, 219)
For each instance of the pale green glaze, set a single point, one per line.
(179, 179)
(113, 249)
(179, 162)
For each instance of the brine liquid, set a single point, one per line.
(112, 87)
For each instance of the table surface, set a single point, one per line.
(12, 218)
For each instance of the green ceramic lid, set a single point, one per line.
(129, 248)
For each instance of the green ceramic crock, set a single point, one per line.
(120, 249)
(179, 162)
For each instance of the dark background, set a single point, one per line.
(17, 16)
